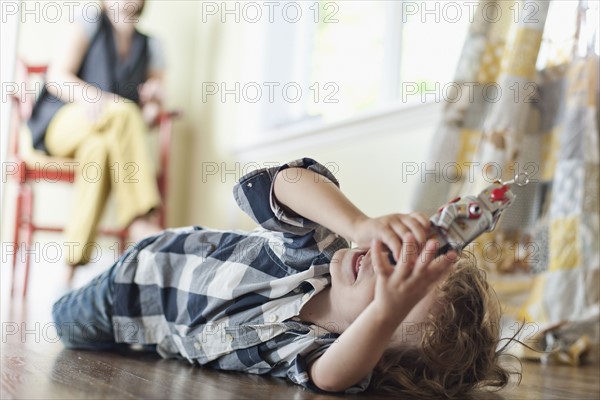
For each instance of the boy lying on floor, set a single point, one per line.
(292, 299)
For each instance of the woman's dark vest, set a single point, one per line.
(101, 68)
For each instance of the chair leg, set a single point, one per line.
(160, 180)
(16, 238)
(28, 209)
(161, 215)
(123, 241)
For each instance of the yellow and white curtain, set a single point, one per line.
(532, 80)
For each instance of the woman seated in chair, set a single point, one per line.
(104, 86)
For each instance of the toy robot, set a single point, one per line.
(460, 221)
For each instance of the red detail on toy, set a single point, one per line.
(454, 200)
(474, 211)
(498, 194)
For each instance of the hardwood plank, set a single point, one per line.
(47, 371)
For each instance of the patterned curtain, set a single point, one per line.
(526, 100)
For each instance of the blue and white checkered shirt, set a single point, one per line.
(227, 299)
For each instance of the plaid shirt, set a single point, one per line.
(227, 299)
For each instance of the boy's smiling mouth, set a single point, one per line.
(357, 260)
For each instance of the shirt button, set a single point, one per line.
(272, 318)
(197, 345)
(229, 338)
(306, 297)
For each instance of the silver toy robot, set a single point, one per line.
(460, 221)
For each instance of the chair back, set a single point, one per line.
(29, 81)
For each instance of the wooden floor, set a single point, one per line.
(49, 372)
(46, 371)
(34, 366)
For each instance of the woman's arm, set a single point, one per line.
(152, 95)
(62, 80)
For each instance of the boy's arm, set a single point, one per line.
(398, 289)
(355, 353)
(315, 197)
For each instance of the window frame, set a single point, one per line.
(259, 131)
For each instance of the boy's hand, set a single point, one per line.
(397, 290)
(392, 230)
(416, 272)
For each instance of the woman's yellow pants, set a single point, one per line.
(111, 154)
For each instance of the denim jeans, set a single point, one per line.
(83, 317)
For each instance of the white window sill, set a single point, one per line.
(394, 118)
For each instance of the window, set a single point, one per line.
(346, 60)
(352, 57)
(380, 49)
(560, 31)
(432, 42)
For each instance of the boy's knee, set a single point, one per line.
(68, 330)
(64, 328)
(75, 335)
(57, 312)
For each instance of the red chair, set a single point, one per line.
(25, 173)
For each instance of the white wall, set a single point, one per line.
(8, 49)
(371, 155)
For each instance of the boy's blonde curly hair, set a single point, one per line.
(458, 351)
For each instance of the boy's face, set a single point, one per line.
(352, 282)
(353, 286)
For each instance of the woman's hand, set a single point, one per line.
(151, 91)
(151, 98)
(95, 109)
(150, 113)
(393, 230)
(415, 274)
